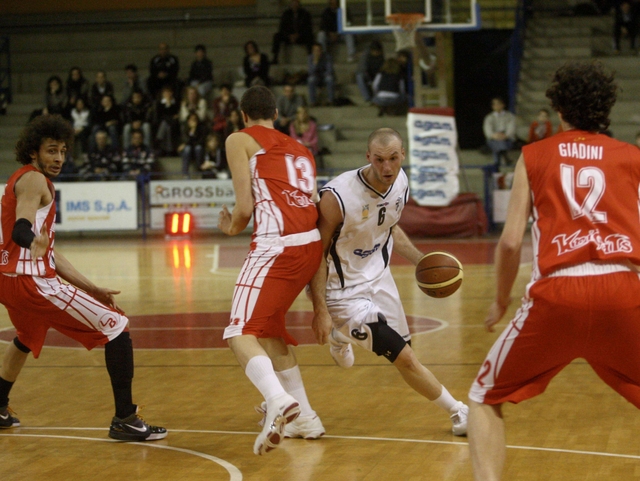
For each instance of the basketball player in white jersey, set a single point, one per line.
(582, 189)
(354, 295)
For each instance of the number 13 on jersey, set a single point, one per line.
(300, 173)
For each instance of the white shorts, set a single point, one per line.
(353, 308)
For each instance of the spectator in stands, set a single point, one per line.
(296, 27)
(213, 157)
(389, 90)
(626, 16)
(80, 116)
(137, 116)
(201, 72)
(55, 99)
(369, 66)
(500, 130)
(328, 33)
(99, 89)
(222, 107)
(77, 86)
(166, 122)
(194, 137)
(255, 66)
(138, 157)
(234, 124)
(107, 118)
(192, 102)
(163, 71)
(287, 105)
(320, 67)
(304, 130)
(541, 127)
(132, 83)
(102, 162)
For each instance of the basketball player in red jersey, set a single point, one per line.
(274, 179)
(31, 290)
(582, 188)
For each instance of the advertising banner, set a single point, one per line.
(433, 158)
(202, 198)
(89, 206)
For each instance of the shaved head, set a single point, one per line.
(384, 137)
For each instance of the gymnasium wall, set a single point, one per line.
(47, 6)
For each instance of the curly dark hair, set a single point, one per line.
(41, 128)
(583, 93)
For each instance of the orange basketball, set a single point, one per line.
(439, 274)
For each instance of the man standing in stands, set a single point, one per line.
(163, 71)
(296, 27)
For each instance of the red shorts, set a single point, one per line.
(564, 318)
(270, 280)
(36, 304)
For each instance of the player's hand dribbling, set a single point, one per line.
(40, 243)
(321, 325)
(496, 312)
(224, 220)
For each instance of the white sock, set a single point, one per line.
(446, 400)
(260, 372)
(291, 381)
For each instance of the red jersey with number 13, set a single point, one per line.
(283, 177)
(586, 198)
(13, 258)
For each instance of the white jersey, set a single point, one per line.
(361, 246)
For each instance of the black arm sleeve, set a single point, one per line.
(22, 234)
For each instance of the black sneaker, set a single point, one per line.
(133, 428)
(7, 418)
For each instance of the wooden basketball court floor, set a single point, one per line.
(177, 295)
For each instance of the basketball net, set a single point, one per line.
(405, 25)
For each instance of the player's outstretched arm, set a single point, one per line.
(66, 271)
(403, 246)
(238, 146)
(329, 218)
(507, 259)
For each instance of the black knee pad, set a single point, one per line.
(20, 346)
(385, 341)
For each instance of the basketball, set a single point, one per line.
(439, 274)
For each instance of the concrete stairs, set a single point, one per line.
(551, 42)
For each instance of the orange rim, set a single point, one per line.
(405, 19)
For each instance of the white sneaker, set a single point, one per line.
(459, 419)
(281, 410)
(341, 352)
(307, 427)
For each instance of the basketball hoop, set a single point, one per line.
(405, 25)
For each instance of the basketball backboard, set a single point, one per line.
(370, 16)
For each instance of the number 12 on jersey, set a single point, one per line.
(590, 178)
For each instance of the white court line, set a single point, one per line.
(357, 438)
(234, 473)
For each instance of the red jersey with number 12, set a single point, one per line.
(586, 199)
(283, 177)
(13, 258)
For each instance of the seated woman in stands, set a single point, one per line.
(194, 137)
(55, 99)
(389, 88)
(192, 103)
(304, 130)
(255, 66)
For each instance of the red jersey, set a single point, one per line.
(586, 198)
(283, 177)
(13, 258)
